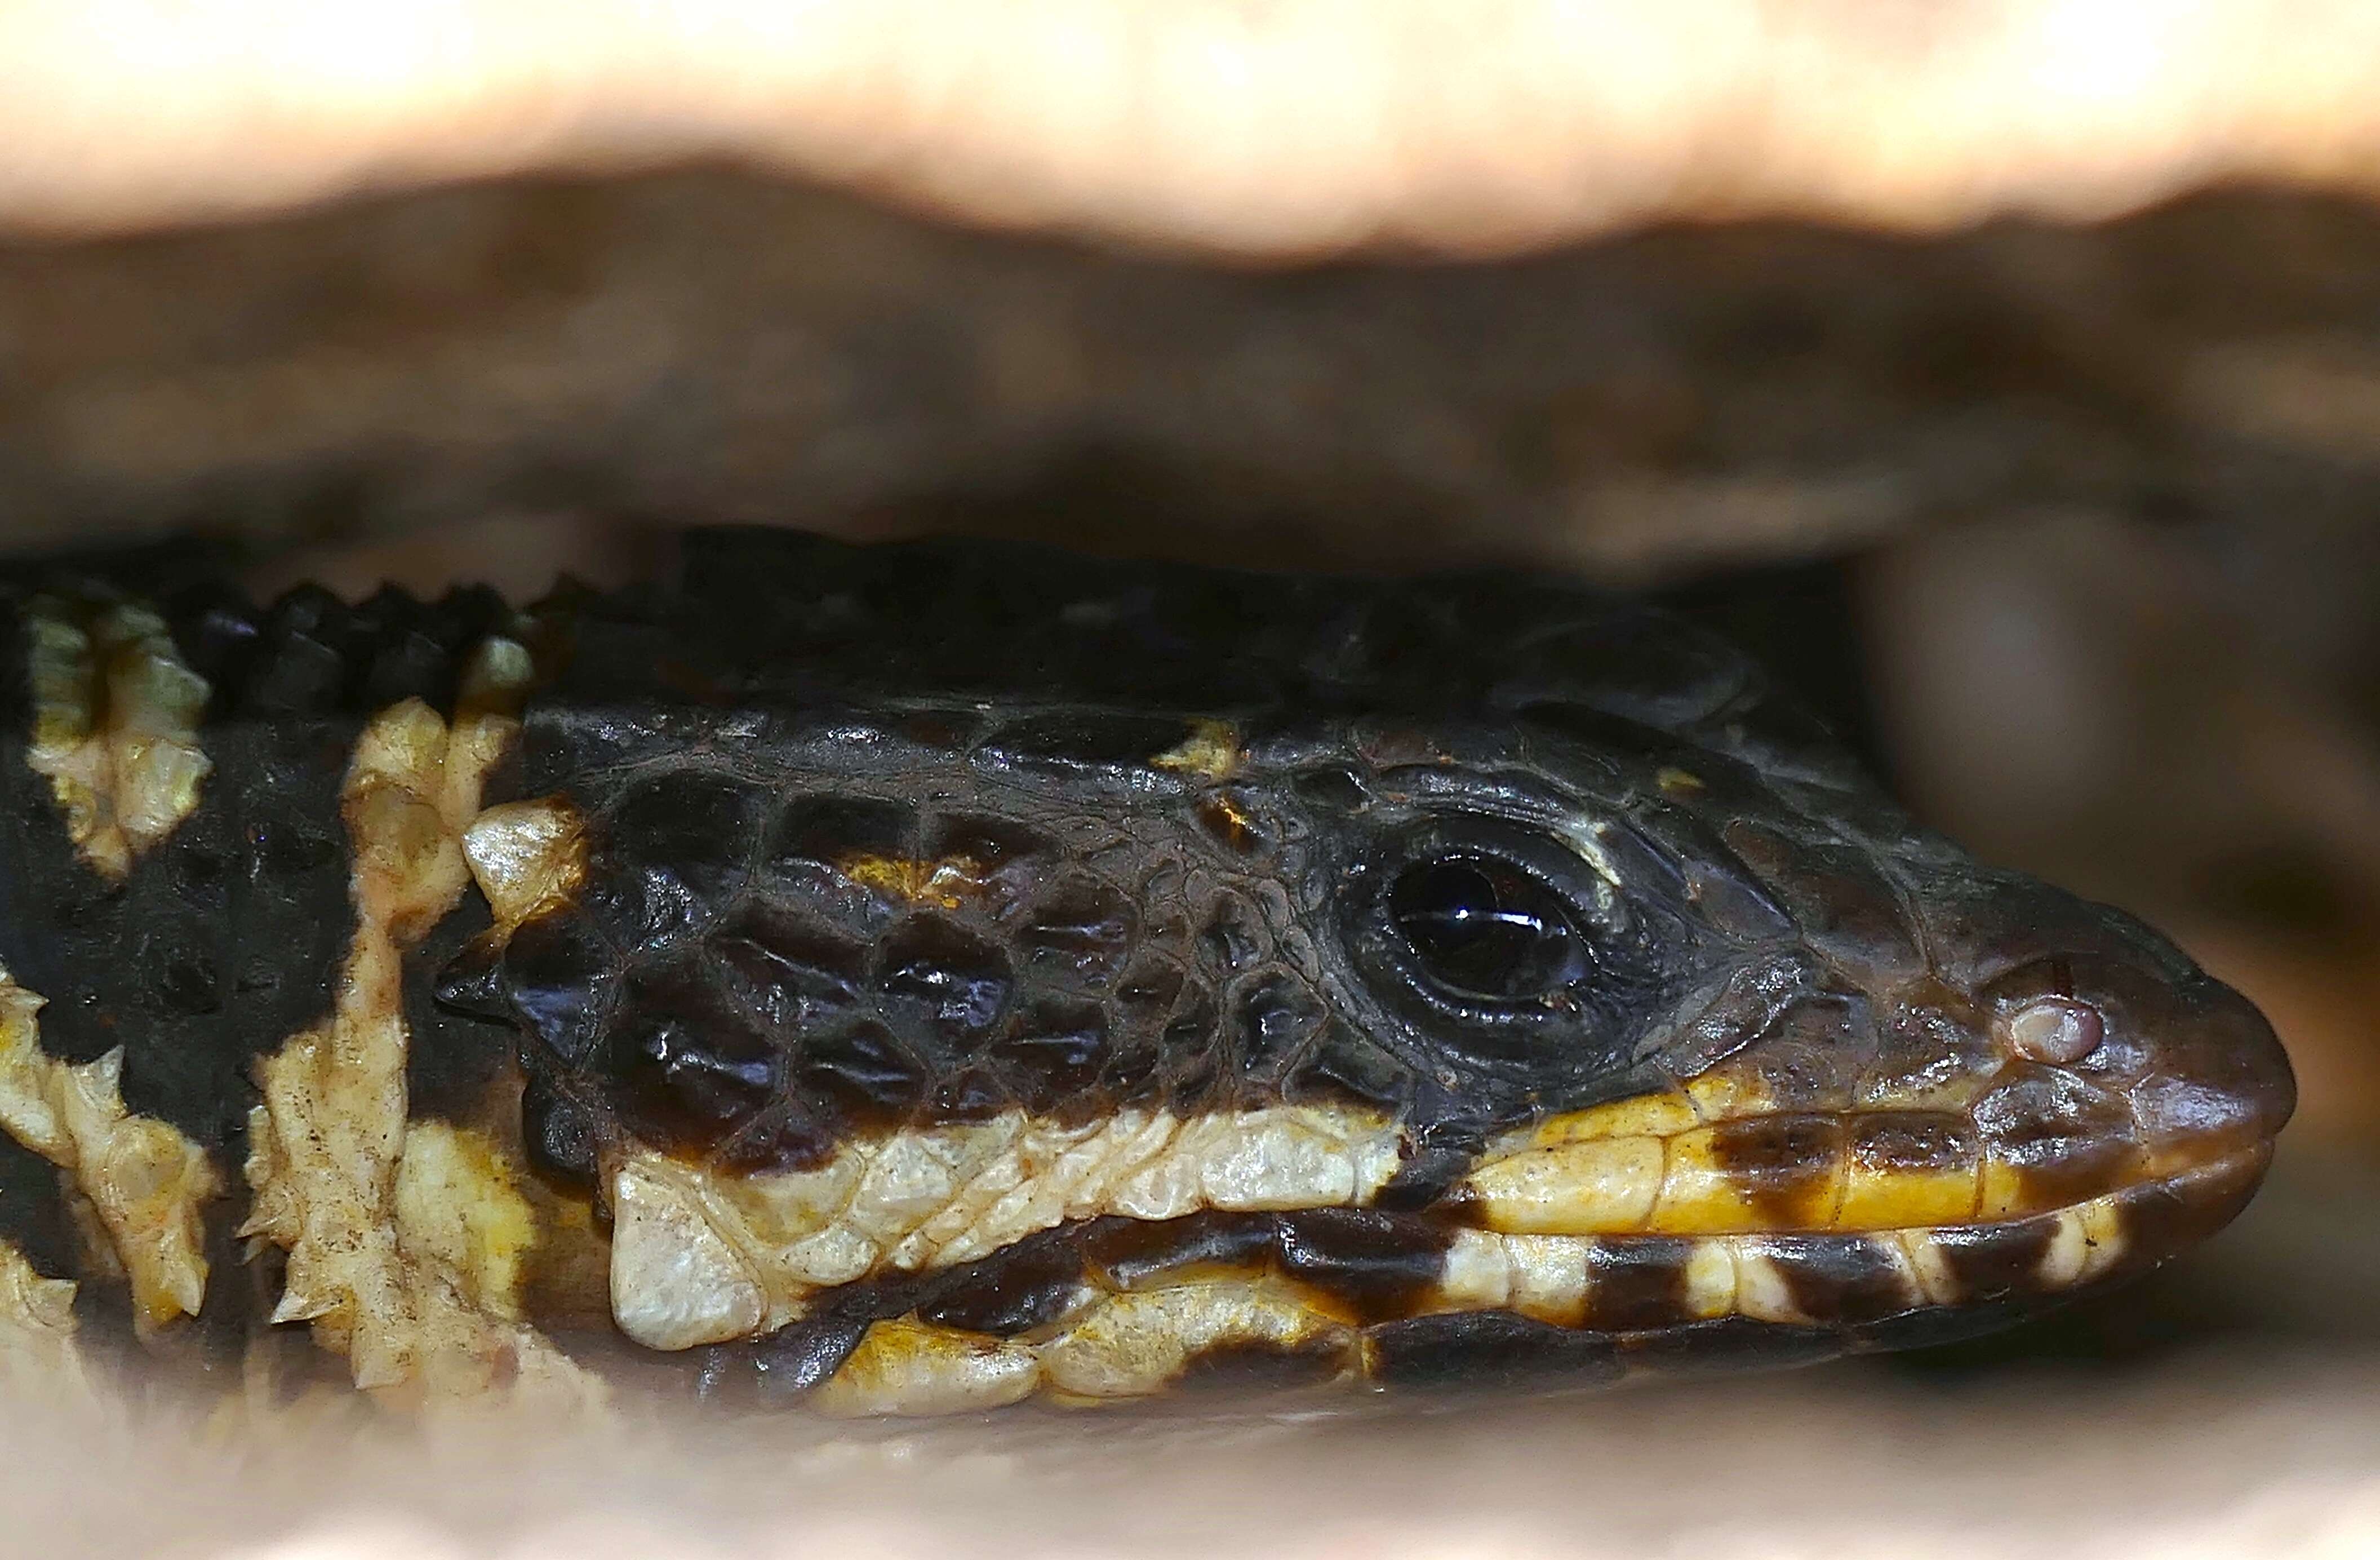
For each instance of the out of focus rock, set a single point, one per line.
(715, 346)
(1293, 128)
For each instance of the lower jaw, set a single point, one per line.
(1345, 1297)
(1803, 1298)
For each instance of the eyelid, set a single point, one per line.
(1623, 858)
(1590, 839)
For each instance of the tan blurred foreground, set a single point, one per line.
(1296, 126)
(2265, 1456)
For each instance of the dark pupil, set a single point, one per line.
(1485, 929)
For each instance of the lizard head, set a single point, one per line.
(1424, 980)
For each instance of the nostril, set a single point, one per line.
(2057, 1030)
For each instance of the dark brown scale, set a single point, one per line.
(1254, 1368)
(1783, 1160)
(1845, 910)
(1030, 1285)
(1635, 1282)
(1095, 751)
(1890, 1142)
(1332, 790)
(1151, 870)
(558, 1133)
(1055, 1053)
(1731, 1018)
(1192, 1069)
(778, 1370)
(451, 1072)
(1131, 1254)
(670, 854)
(1838, 1278)
(942, 731)
(812, 845)
(2208, 1111)
(1079, 933)
(1274, 1018)
(975, 1093)
(559, 976)
(794, 1136)
(183, 978)
(1718, 881)
(1724, 1344)
(1343, 1065)
(1137, 1061)
(1927, 1036)
(1233, 940)
(2064, 1136)
(1005, 862)
(686, 1068)
(944, 988)
(2159, 1221)
(1142, 1006)
(1145, 997)
(1487, 1350)
(1995, 1261)
(2067, 1139)
(1812, 1056)
(1930, 1326)
(1374, 1265)
(790, 972)
(868, 1073)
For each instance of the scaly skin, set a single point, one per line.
(919, 978)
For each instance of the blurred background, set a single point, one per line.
(2008, 375)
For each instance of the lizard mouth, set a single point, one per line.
(1112, 1310)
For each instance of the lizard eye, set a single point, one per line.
(1488, 941)
(1483, 929)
